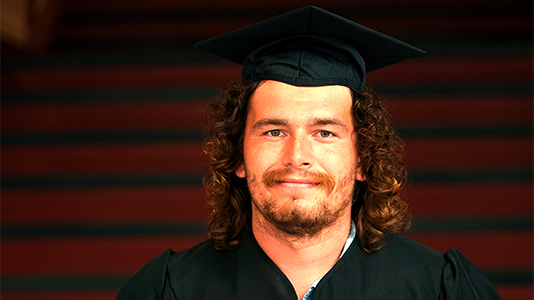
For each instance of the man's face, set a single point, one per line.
(300, 156)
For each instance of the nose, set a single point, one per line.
(298, 152)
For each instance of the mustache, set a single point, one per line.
(324, 180)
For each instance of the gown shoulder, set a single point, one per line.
(149, 282)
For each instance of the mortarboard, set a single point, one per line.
(309, 47)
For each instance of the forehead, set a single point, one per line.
(277, 99)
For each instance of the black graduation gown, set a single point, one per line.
(402, 269)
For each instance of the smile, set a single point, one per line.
(297, 183)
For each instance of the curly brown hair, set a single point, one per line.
(378, 209)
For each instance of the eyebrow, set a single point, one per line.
(312, 122)
(268, 122)
(327, 121)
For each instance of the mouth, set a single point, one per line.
(297, 183)
(289, 179)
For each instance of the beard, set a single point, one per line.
(298, 219)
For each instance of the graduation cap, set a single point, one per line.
(309, 47)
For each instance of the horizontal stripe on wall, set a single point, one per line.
(143, 204)
(159, 56)
(102, 254)
(13, 98)
(92, 230)
(108, 95)
(105, 159)
(102, 137)
(127, 205)
(161, 115)
(434, 71)
(124, 254)
(499, 88)
(488, 249)
(100, 294)
(520, 174)
(180, 179)
(412, 131)
(98, 283)
(507, 291)
(196, 179)
(192, 55)
(419, 225)
(62, 283)
(447, 130)
(497, 223)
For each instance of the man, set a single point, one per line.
(304, 173)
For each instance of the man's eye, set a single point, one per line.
(274, 132)
(325, 134)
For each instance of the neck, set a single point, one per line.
(302, 260)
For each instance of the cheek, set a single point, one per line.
(344, 155)
(340, 163)
(258, 158)
(259, 152)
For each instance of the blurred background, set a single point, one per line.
(101, 132)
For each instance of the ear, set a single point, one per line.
(240, 171)
(359, 173)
